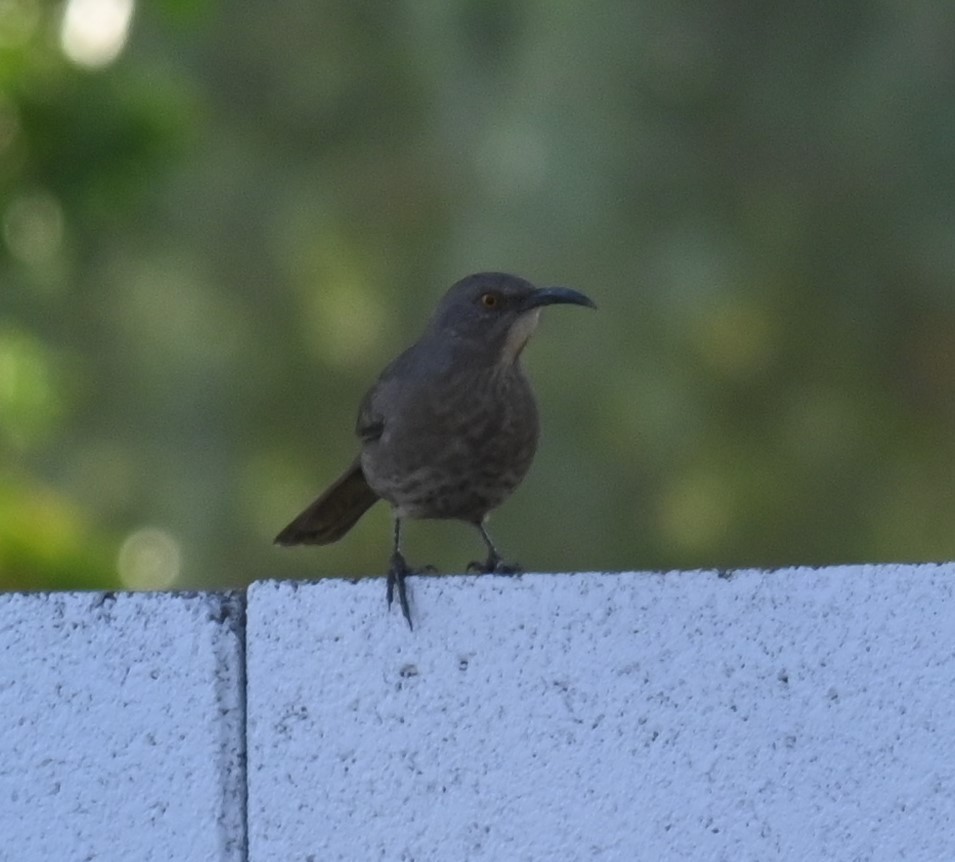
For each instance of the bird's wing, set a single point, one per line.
(375, 405)
(371, 424)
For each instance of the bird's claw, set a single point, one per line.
(397, 574)
(396, 580)
(494, 566)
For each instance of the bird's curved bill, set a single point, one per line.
(555, 296)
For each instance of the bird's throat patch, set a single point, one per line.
(519, 334)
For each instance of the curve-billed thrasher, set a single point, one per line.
(450, 427)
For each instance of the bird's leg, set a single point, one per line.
(396, 576)
(398, 571)
(494, 564)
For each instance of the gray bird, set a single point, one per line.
(450, 428)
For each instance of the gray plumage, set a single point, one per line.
(450, 428)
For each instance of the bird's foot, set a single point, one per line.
(397, 574)
(494, 565)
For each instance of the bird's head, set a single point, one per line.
(496, 312)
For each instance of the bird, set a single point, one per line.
(450, 427)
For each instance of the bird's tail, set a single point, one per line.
(334, 513)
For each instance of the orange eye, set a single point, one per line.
(489, 300)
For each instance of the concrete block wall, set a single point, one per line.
(122, 727)
(795, 714)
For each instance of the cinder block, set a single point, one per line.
(121, 727)
(795, 714)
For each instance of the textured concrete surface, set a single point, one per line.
(121, 727)
(796, 714)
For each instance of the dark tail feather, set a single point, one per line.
(334, 513)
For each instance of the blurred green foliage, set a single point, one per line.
(212, 244)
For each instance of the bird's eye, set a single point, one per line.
(490, 300)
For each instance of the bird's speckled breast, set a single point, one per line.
(468, 457)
